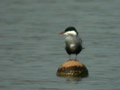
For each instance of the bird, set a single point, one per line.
(73, 43)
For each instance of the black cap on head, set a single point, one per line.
(71, 29)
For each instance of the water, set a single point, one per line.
(31, 49)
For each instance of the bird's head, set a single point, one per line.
(70, 31)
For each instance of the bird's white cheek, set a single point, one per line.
(65, 33)
(70, 33)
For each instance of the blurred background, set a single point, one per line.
(31, 50)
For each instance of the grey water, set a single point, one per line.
(31, 50)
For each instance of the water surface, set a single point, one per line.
(31, 49)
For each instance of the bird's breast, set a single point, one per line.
(72, 46)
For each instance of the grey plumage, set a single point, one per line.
(73, 43)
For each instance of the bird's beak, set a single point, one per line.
(61, 33)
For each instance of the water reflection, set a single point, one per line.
(75, 80)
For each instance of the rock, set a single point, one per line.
(72, 68)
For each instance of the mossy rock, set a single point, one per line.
(72, 68)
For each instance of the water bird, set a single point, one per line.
(73, 43)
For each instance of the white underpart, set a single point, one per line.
(72, 45)
(70, 33)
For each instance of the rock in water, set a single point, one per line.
(72, 68)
